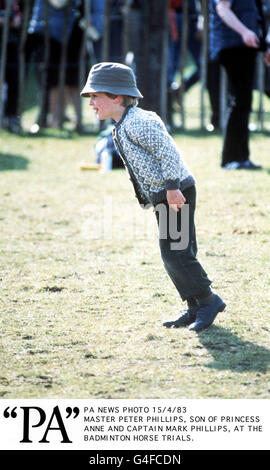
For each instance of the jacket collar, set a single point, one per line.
(117, 124)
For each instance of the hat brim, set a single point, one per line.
(116, 90)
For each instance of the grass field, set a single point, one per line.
(83, 300)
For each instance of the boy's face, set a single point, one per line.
(104, 106)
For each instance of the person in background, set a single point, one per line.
(11, 120)
(193, 42)
(176, 18)
(237, 33)
(97, 16)
(266, 9)
(35, 46)
(194, 48)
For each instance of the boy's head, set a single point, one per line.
(112, 78)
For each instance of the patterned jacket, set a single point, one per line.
(150, 156)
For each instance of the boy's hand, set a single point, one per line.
(175, 199)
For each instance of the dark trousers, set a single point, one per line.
(12, 78)
(182, 266)
(194, 48)
(239, 63)
(213, 87)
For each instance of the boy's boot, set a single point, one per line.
(208, 309)
(188, 317)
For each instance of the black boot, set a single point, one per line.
(207, 312)
(188, 316)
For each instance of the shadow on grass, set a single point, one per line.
(230, 352)
(9, 161)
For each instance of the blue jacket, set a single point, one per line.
(56, 19)
(97, 14)
(222, 36)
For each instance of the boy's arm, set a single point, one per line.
(156, 140)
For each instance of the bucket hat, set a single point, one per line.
(111, 77)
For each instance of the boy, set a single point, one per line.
(161, 179)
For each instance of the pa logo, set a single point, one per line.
(36, 417)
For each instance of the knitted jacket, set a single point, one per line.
(150, 156)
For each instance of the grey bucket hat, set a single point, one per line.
(111, 77)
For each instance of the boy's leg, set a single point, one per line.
(182, 266)
(186, 272)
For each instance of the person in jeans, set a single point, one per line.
(161, 179)
(237, 33)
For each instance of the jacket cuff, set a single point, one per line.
(172, 184)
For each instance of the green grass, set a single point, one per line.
(82, 313)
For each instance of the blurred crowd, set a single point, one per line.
(66, 21)
(58, 22)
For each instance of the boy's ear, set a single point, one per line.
(118, 99)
